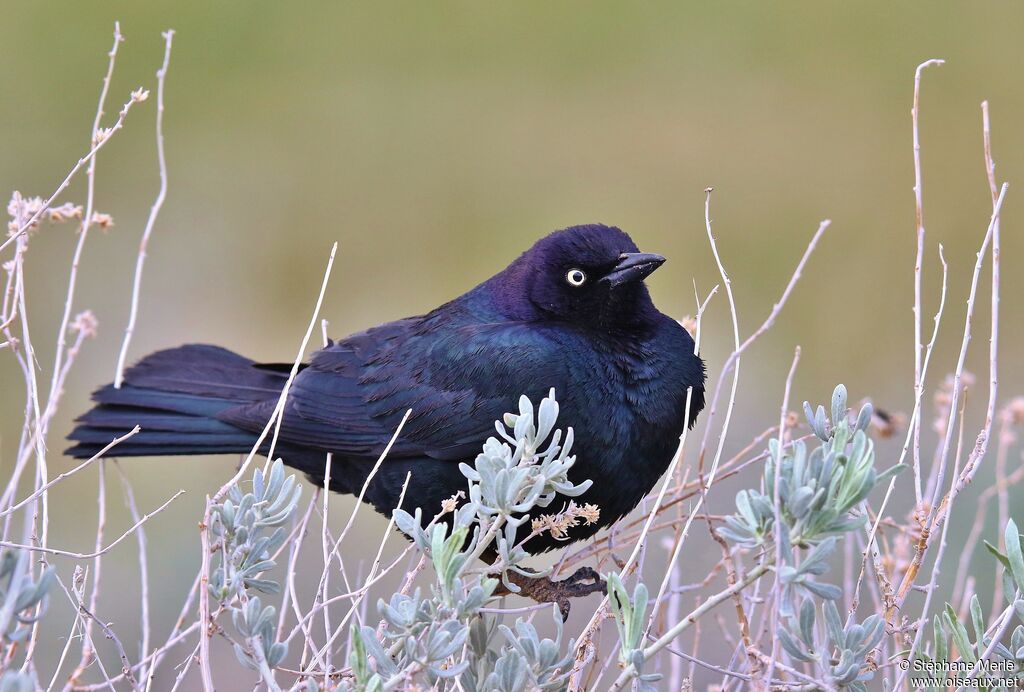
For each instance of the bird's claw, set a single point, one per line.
(582, 582)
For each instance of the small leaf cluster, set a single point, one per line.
(259, 627)
(248, 528)
(840, 653)
(420, 636)
(16, 681)
(817, 490)
(525, 661)
(631, 619)
(417, 643)
(524, 468)
(949, 635)
(19, 595)
(821, 494)
(441, 636)
(1012, 561)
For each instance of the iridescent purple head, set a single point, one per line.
(590, 274)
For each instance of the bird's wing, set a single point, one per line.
(456, 380)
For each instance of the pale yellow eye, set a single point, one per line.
(576, 277)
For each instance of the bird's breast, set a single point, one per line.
(628, 413)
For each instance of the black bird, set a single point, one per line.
(572, 313)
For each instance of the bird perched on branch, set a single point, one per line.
(571, 313)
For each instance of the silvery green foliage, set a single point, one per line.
(421, 635)
(19, 595)
(414, 642)
(259, 627)
(820, 493)
(630, 620)
(14, 681)
(839, 653)
(948, 632)
(525, 469)
(442, 636)
(821, 496)
(525, 661)
(248, 528)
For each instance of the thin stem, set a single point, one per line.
(777, 509)
(99, 551)
(919, 218)
(140, 261)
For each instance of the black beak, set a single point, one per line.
(633, 266)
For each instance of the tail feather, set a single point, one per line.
(206, 371)
(130, 397)
(175, 397)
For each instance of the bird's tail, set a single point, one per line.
(175, 397)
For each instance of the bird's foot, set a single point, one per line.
(582, 582)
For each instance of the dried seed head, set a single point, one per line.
(101, 134)
(64, 212)
(104, 221)
(558, 525)
(452, 503)
(21, 209)
(85, 323)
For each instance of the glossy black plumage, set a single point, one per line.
(619, 367)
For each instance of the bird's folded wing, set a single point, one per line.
(455, 381)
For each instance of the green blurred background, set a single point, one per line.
(436, 141)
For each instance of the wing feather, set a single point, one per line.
(455, 380)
